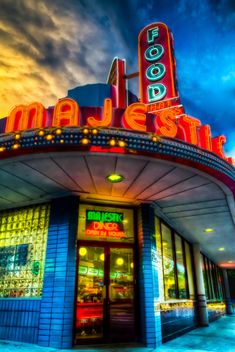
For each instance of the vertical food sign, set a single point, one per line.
(156, 64)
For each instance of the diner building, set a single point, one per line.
(117, 213)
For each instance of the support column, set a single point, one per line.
(150, 317)
(57, 304)
(227, 293)
(201, 294)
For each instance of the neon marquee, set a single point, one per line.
(159, 111)
(169, 122)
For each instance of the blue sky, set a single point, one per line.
(48, 47)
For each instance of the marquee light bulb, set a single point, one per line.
(85, 141)
(16, 146)
(49, 137)
(58, 131)
(17, 136)
(121, 144)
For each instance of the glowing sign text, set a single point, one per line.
(167, 122)
(156, 64)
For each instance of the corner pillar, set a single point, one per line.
(57, 304)
(228, 302)
(150, 317)
(202, 312)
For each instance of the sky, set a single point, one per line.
(50, 46)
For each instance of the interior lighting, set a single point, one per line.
(94, 131)
(2, 149)
(102, 257)
(82, 251)
(41, 133)
(120, 261)
(16, 146)
(85, 141)
(221, 249)
(114, 178)
(132, 265)
(61, 141)
(209, 230)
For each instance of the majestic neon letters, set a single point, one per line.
(168, 122)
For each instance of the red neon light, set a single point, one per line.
(104, 229)
(66, 113)
(169, 122)
(156, 64)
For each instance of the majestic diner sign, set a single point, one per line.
(104, 224)
(158, 112)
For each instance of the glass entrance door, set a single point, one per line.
(105, 294)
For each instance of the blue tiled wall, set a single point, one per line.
(57, 306)
(148, 279)
(177, 320)
(215, 311)
(19, 319)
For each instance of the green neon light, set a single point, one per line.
(152, 33)
(155, 72)
(103, 216)
(154, 52)
(156, 92)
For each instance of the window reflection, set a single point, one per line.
(89, 313)
(168, 263)
(181, 274)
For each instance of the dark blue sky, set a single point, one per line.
(48, 47)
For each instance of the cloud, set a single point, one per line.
(48, 47)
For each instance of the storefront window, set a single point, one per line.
(180, 266)
(168, 264)
(23, 237)
(101, 223)
(174, 256)
(159, 258)
(189, 270)
(213, 282)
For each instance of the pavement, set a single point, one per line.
(219, 336)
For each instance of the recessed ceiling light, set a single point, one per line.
(209, 230)
(221, 249)
(114, 178)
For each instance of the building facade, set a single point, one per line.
(116, 214)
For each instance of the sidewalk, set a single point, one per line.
(219, 336)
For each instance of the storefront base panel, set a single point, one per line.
(215, 310)
(19, 319)
(177, 319)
